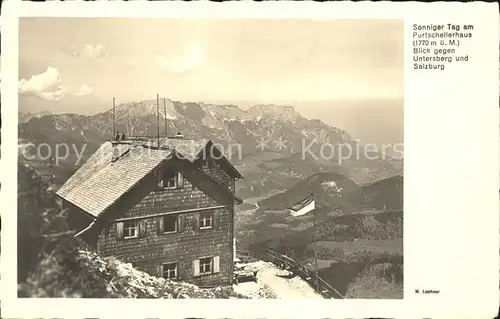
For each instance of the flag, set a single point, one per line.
(303, 207)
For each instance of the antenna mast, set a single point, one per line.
(165, 111)
(114, 118)
(158, 117)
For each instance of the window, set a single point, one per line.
(170, 270)
(130, 229)
(170, 223)
(206, 265)
(206, 220)
(170, 180)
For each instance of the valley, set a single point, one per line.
(359, 200)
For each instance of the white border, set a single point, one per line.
(461, 185)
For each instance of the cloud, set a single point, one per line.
(91, 51)
(84, 90)
(191, 58)
(48, 86)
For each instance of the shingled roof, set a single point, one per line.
(108, 174)
(116, 167)
(192, 149)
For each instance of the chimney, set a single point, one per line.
(116, 153)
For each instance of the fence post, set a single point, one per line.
(316, 278)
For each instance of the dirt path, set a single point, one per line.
(273, 286)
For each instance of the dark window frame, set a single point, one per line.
(204, 265)
(168, 179)
(166, 272)
(204, 217)
(165, 231)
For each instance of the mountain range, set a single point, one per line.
(341, 207)
(336, 194)
(273, 146)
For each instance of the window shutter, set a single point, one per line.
(180, 180)
(159, 225)
(160, 270)
(142, 228)
(216, 219)
(160, 183)
(119, 230)
(179, 271)
(196, 267)
(196, 221)
(216, 264)
(180, 222)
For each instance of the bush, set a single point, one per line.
(341, 274)
(62, 272)
(385, 226)
(29, 220)
(325, 252)
(48, 261)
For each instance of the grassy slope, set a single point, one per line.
(367, 274)
(326, 196)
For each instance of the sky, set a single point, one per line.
(79, 64)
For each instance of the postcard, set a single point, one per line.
(244, 159)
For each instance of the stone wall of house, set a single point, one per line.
(152, 249)
(159, 201)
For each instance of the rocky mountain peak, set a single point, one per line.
(283, 112)
(24, 117)
(146, 108)
(271, 108)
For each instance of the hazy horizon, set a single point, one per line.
(348, 73)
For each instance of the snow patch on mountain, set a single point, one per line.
(227, 112)
(332, 185)
(147, 107)
(283, 112)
